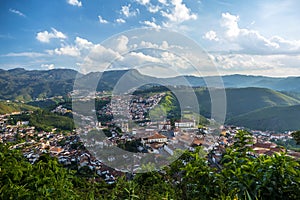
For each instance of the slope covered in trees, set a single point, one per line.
(280, 118)
(9, 107)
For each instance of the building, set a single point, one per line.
(185, 124)
(156, 138)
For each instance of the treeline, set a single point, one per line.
(44, 120)
(239, 176)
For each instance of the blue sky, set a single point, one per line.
(245, 37)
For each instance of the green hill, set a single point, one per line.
(279, 118)
(244, 100)
(9, 107)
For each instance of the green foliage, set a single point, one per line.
(241, 176)
(44, 180)
(262, 177)
(279, 118)
(168, 108)
(296, 136)
(290, 144)
(9, 107)
(46, 121)
(130, 146)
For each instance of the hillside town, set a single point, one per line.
(76, 149)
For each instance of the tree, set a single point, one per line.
(296, 136)
(45, 179)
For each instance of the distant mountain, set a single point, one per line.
(25, 85)
(279, 118)
(289, 84)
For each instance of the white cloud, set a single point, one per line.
(83, 43)
(211, 35)
(98, 59)
(153, 9)
(254, 53)
(151, 24)
(81, 46)
(74, 3)
(120, 21)
(135, 59)
(45, 36)
(266, 65)
(17, 12)
(230, 22)
(67, 51)
(143, 2)
(48, 66)
(164, 2)
(251, 41)
(101, 20)
(120, 44)
(150, 7)
(24, 54)
(128, 12)
(179, 12)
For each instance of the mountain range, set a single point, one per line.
(256, 102)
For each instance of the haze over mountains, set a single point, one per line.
(256, 102)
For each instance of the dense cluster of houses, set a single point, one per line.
(136, 108)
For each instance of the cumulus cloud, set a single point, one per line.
(211, 35)
(128, 12)
(164, 2)
(266, 65)
(179, 12)
(101, 20)
(82, 43)
(120, 44)
(252, 52)
(81, 46)
(48, 66)
(136, 59)
(99, 58)
(45, 36)
(120, 21)
(230, 22)
(153, 8)
(17, 12)
(251, 41)
(74, 3)
(143, 2)
(151, 24)
(149, 6)
(67, 51)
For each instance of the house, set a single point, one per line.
(197, 142)
(56, 150)
(164, 125)
(156, 138)
(185, 124)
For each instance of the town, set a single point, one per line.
(127, 145)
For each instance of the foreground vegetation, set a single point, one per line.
(239, 176)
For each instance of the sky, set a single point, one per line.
(183, 36)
